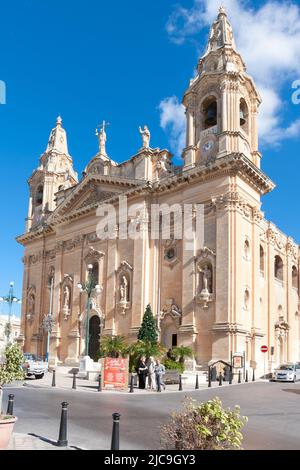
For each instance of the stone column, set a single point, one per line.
(225, 273)
(141, 272)
(55, 335)
(270, 296)
(224, 106)
(110, 285)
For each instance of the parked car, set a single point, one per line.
(288, 372)
(34, 366)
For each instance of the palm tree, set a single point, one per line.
(144, 348)
(182, 352)
(113, 346)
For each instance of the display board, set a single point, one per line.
(114, 373)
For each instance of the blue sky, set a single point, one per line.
(118, 61)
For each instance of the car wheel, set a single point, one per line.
(40, 376)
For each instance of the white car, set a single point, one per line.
(34, 366)
(287, 372)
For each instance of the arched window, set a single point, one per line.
(278, 268)
(261, 259)
(39, 195)
(210, 112)
(247, 250)
(295, 277)
(246, 299)
(244, 115)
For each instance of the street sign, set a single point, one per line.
(264, 349)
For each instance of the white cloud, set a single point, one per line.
(172, 120)
(268, 38)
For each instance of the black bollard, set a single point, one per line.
(197, 382)
(220, 379)
(246, 379)
(53, 378)
(10, 405)
(99, 383)
(131, 390)
(62, 438)
(209, 377)
(115, 438)
(240, 377)
(230, 377)
(180, 383)
(253, 376)
(74, 381)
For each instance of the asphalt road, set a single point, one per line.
(273, 410)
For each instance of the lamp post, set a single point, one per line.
(89, 287)
(10, 299)
(48, 320)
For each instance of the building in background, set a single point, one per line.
(15, 330)
(230, 294)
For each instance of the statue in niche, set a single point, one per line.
(206, 278)
(145, 133)
(124, 290)
(31, 304)
(66, 297)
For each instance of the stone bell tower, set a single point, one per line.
(221, 103)
(54, 173)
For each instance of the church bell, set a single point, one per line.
(211, 115)
(242, 118)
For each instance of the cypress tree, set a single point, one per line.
(148, 330)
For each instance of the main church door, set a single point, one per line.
(95, 330)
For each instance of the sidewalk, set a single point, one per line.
(64, 381)
(32, 442)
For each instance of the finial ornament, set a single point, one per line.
(145, 133)
(59, 121)
(222, 10)
(101, 134)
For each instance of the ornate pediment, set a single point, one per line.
(94, 194)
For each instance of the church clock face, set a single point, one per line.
(207, 146)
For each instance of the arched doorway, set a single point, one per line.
(95, 330)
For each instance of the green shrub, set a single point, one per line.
(204, 426)
(173, 365)
(11, 369)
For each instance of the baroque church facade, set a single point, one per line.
(230, 294)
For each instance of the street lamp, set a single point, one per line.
(48, 321)
(10, 299)
(89, 287)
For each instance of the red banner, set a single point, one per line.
(114, 373)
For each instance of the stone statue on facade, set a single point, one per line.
(101, 134)
(206, 278)
(31, 304)
(145, 133)
(66, 298)
(124, 290)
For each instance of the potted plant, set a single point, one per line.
(10, 370)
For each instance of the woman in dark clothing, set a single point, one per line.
(142, 371)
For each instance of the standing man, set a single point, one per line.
(160, 371)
